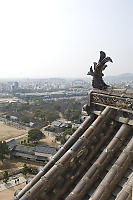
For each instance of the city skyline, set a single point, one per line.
(46, 39)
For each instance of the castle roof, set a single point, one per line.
(96, 163)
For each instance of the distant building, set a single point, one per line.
(13, 118)
(75, 126)
(37, 153)
(12, 143)
(31, 124)
(56, 124)
(16, 85)
(59, 124)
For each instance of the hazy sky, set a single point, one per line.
(61, 38)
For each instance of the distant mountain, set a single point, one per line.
(121, 77)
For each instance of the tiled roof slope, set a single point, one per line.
(96, 163)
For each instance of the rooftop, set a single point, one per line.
(96, 163)
(31, 150)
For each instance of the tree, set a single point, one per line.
(39, 113)
(34, 135)
(25, 170)
(52, 116)
(75, 115)
(7, 117)
(66, 132)
(57, 107)
(25, 119)
(5, 177)
(72, 114)
(3, 150)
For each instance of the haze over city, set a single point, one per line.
(63, 38)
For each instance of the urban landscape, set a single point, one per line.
(66, 100)
(51, 106)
